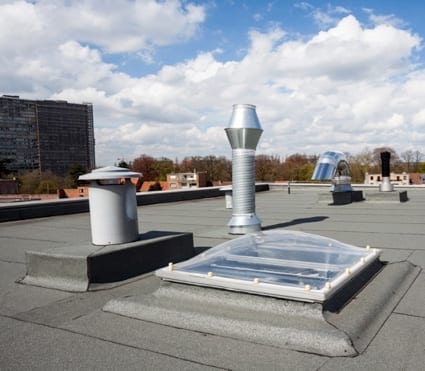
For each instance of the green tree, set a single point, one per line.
(34, 182)
(421, 168)
(123, 164)
(4, 167)
(155, 187)
(164, 166)
(298, 167)
(74, 171)
(29, 182)
(305, 172)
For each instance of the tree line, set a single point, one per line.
(269, 168)
(45, 182)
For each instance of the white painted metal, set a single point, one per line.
(386, 185)
(227, 196)
(113, 205)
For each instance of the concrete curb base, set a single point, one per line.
(341, 198)
(387, 197)
(85, 267)
(305, 327)
(363, 317)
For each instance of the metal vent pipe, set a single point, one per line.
(244, 132)
(386, 185)
(333, 165)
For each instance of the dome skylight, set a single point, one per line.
(279, 263)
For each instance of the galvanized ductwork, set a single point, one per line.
(244, 132)
(333, 165)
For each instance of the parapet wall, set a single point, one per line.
(40, 209)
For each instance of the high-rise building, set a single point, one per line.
(45, 134)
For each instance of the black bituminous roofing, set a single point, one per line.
(48, 329)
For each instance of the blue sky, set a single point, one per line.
(163, 75)
(228, 22)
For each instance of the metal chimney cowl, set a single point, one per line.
(386, 185)
(244, 132)
(333, 165)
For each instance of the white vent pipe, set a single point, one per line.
(113, 205)
(244, 132)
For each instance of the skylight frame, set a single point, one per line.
(366, 256)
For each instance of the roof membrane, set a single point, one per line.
(279, 263)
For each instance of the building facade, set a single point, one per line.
(46, 135)
(187, 180)
(395, 178)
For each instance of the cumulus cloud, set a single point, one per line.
(346, 87)
(48, 44)
(113, 25)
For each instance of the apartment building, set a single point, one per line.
(187, 180)
(45, 134)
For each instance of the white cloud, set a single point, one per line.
(336, 89)
(418, 120)
(323, 18)
(348, 51)
(120, 25)
(388, 19)
(346, 87)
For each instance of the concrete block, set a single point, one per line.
(341, 198)
(84, 267)
(263, 320)
(387, 197)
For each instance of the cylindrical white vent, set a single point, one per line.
(113, 205)
(243, 133)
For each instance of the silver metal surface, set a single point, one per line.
(244, 132)
(244, 116)
(333, 165)
(386, 185)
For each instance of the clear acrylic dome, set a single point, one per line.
(287, 264)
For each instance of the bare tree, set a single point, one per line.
(267, 168)
(418, 157)
(377, 154)
(408, 158)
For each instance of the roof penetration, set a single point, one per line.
(284, 264)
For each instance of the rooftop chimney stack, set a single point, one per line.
(386, 185)
(244, 132)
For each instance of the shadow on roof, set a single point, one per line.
(313, 219)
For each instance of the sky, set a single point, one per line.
(163, 75)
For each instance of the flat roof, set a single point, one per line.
(49, 329)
